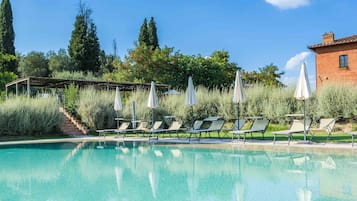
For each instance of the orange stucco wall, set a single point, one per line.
(328, 64)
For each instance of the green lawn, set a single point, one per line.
(335, 137)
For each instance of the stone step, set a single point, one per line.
(71, 125)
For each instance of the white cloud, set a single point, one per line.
(295, 61)
(291, 81)
(288, 4)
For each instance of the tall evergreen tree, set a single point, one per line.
(7, 34)
(152, 34)
(143, 35)
(76, 48)
(84, 46)
(93, 49)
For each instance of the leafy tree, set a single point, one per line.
(5, 77)
(36, 64)
(152, 34)
(59, 61)
(147, 62)
(106, 63)
(144, 35)
(7, 34)
(267, 76)
(144, 64)
(84, 47)
(250, 78)
(270, 76)
(212, 72)
(121, 72)
(227, 68)
(139, 62)
(4, 59)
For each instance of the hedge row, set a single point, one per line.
(23, 116)
(96, 108)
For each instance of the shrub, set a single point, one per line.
(96, 108)
(278, 103)
(23, 116)
(141, 109)
(5, 77)
(71, 98)
(256, 95)
(207, 103)
(76, 75)
(175, 105)
(337, 100)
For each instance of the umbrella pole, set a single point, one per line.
(192, 117)
(152, 119)
(304, 120)
(117, 120)
(238, 113)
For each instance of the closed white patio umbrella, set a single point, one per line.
(191, 99)
(118, 106)
(238, 93)
(153, 100)
(303, 91)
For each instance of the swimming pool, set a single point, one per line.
(134, 171)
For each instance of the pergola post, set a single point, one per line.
(6, 91)
(28, 87)
(17, 89)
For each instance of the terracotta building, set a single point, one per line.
(336, 60)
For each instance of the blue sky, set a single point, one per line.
(255, 32)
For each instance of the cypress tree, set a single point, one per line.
(7, 34)
(93, 49)
(84, 46)
(143, 35)
(152, 33)
(77, 49)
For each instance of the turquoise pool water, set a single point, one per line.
(135, 172)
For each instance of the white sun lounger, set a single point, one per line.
(259, 125)
(173, 128)
(296, 127)
(123, 126)
(216, 126)
(234, 126)
(326, 126)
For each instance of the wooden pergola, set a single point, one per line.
(56, 83)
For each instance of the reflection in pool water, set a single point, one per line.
(82, 171)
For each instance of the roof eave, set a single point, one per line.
(317, 46)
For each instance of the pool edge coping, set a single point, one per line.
(295, 146)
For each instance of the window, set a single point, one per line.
(344, 61)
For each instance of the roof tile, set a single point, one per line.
(349, 39)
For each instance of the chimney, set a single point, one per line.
(328, 38)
